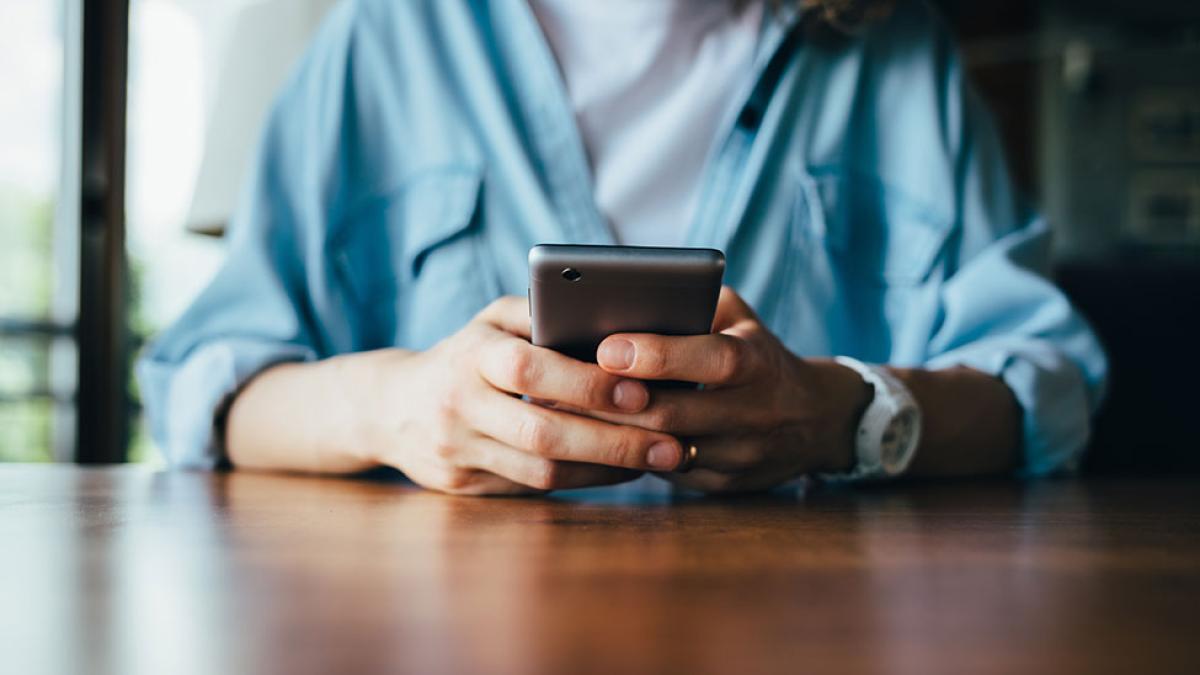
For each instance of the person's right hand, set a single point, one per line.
(451, 418)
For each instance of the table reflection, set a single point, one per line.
(139, 572)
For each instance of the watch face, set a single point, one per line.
(897, 437)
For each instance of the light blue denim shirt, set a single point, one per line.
(423, 146)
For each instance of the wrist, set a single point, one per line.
(368, 412)
(848, 396)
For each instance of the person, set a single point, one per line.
(371, 310)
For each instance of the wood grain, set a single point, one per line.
(131, 571)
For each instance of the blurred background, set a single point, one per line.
(126, 125)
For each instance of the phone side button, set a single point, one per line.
(529, 301)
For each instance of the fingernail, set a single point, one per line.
(663, 455)
(616, 354)
(630, 396)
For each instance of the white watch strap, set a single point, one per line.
(890, 428)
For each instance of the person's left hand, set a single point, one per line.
(764, 416)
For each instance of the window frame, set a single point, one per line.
(102, 330)
(91, 310)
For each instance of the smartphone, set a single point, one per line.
(581, 294)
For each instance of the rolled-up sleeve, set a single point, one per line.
(1002, 317)
(258, 310)
(999, 311)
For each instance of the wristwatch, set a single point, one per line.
(889, 430)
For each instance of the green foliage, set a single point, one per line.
(140, 324)
(27, 278)
(26, 254)
(24, 364)
(25, 431)
(26, 285)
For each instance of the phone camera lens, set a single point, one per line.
(572, 274)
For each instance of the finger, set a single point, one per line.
(682, 412)
(510, 314)
(484, 484)
(730, 453)
(456, 480)
(720, 482)
(540, 473)
(555, 434)
(731, 309)
(716, 359)
(736, 464)
(515, 366)
(707, 480)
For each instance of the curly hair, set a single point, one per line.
(844, 15)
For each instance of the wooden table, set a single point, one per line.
(131, 571)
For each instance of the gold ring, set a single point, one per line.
(689, 458)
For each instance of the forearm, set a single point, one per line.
(305, 417)
(971, 422)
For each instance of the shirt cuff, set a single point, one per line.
(183, 399)
(1051, 389)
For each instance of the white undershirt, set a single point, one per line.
(651, 83)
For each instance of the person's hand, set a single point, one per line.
(764, 415)
(452, 419)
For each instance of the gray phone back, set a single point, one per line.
(579, 295)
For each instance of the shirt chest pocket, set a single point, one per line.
(872, 234)
(413, 263)
(866, 264)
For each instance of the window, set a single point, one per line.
(177, 50)
(37, 237)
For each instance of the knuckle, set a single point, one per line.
(519, 366)
(445, 413)
(457, 480)
(652, 360)
(442, 430)
(664, 417)
(732, 360)
(536, 434)
(444, 448)
(626, 449)
(546, 475)
(598, 389)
